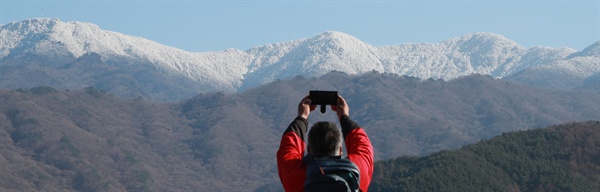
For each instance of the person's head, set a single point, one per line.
(324, 139)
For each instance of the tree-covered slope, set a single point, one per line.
(558, 158)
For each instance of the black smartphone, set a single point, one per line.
(323, 97)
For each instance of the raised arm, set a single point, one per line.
(291, 150)
(358, 145)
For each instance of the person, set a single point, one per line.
(290, 164)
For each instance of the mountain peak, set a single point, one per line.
(38, 21)
(339, 51)
(483, 43)
(48, 36)
(334, 40)
(482, 38)
(590, 51)
(32, 25)
(44, 25)
(488, 35)
(334, 35)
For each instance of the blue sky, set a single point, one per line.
(197, 26)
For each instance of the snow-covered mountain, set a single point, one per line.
(51, 38)
(49, 47)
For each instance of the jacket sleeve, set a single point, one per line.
(289, 156)
(360, 150)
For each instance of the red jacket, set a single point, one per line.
(291, 168)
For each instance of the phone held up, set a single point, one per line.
(323, 98)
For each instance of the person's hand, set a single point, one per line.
(341, 108)
(304, 108)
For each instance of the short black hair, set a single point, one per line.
(324, 139)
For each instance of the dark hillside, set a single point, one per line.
(406, 115)
(558, 158)
(87, 140)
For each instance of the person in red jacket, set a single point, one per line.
(291, 167)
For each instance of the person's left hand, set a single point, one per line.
(304, 108)
(341, 108)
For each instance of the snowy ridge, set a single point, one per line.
(580, 66)
(49, 37)
(483, 53)
(311, 57)
(232, 70)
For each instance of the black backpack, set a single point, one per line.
(331, 174)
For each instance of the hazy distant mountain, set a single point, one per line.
(72, 55)
(87, 140)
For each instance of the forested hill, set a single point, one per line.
(558, 158)
(88, 140)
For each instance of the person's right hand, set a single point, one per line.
(341, 108)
